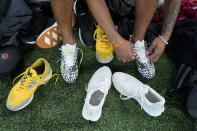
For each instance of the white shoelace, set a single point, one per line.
(139, 93)
(99, 83)
(70, 56)
(141, 53)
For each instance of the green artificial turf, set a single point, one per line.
(59, 107)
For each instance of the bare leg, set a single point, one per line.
(63, 13)
(144, 12)
(103, 17)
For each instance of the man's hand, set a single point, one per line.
(124, 52)
(156, 49)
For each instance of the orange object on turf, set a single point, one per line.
(50, 37)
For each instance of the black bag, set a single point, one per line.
(120, 7)
(185, 91)
(14, 15)
(10, 58)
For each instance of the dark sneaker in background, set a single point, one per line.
(86, 23)
(42, 19)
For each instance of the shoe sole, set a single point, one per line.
(26, 103)
(74, 7)
(104, 61)
(39, 39)
(30, 42)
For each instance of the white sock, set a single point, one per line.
(71, 46)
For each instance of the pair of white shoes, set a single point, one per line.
(127, 86)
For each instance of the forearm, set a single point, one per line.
(171, 10)
(103, 18)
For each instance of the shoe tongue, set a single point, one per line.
(69, 47)
(69, 53)
(139, 44)
(32, 73)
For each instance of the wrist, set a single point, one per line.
(165, 37)
(114, 38)
(119, 43)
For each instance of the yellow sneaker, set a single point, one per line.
(22, 92)
(104, 49)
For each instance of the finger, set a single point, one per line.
(118, 58)
(133, 54)
(151, 49)
(147, 54)
(155, 60)
(154, 56)
(129, 59)
(123, 60)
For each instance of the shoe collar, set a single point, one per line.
(161, 99)
(144, 99)
(139, 48)
(68, 48)
(141, 94)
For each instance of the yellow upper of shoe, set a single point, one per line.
(104, 47)
(27, 85)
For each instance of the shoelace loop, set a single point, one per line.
(27, 79)
(141, 53)
(100, 35)
(139, 93)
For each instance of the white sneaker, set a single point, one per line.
(130, 87)
(97, 91)
(69, 64)
(144, 65)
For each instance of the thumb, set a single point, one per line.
(151, 48)
(132, 51)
